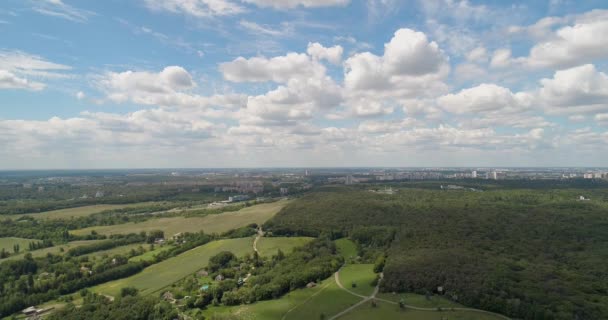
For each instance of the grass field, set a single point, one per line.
(118, 250)
(213, 223)
(165, 273)
(347, 248)
(360, 274)
(386, 311)
(8, 243)
(149, 255)
(418, 300)
(301, 304)
(270, 246)
(53, 250)
(78, 211)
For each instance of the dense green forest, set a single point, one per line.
(528, 253)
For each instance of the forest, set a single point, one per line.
(533, 253)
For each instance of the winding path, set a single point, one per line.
(377, 288)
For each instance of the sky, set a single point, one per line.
(302, 83)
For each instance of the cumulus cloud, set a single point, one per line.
(411, 66)
(485, 98)
(169, 87)
(319, 52)
(278, 69)
(9, 80)
(580, 89)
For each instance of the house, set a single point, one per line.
(30, 311)
(159, 241)
(168, 296)
(219, 277)
(582, 198)
(202, 273)
(311, 285)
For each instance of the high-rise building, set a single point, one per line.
(349, 179)
(494, 175)
(474, 174)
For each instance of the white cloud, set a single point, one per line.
(580, 89)
(258, 29)
(319, 52)
(278, 69)
(411, 65)
(169, 87)
(601, 118)
(56, 8)
(17, 68)
(485, 98)
(196, 8)
(80, 95)
(478, 55)
(9, 80)
(290, 4)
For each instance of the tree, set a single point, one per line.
(16, 248)
(128, 291)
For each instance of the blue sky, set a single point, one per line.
(242, 83)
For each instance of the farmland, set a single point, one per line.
(77, 212)
(163, 274)
(8, 243)
(270, 246)
(58, 249)
(212, 223)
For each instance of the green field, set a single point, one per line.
(165, 273)
(270, 246)
(386, 311)
(53, 250)
(78, 211)
(418, 300)
(149, 255)
(213, 223)
(122, 250)
(8, 243)
(301, 304)
(360, 274)
(347, 248)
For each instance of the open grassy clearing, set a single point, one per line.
(8, 243)
(149, 255)
(54, 250)
(270, 246)
(361, 275)
(418, 300)
(78, 211)
(213, 223)
(347, 248)
(301, 304)
(118, 250)
(165, 273)
(386, 311)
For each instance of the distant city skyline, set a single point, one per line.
(303, 83)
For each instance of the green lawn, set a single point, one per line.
(418, 300)
(270, 246)
(78, 211)
(386, 311)
(347, 248)
(8, 243)
(165, 273)
(360, 274)
(301, 304)
(118, 250)
(213, 223)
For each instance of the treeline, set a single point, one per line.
(530, 254)
(113, 242)
(132, 307)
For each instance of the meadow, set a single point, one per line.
(76, 212)
(212, 223)
(361, 275)
(268, 246)
(386, 311)
(9, 242)
(58, 249)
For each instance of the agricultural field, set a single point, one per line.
(165, 273)
(268, 246)
(9, 242)
(54, 250)
(78, 211)
(213, 223)
(302, 304)
(386, 311)
(150, 254)
(359, 275)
